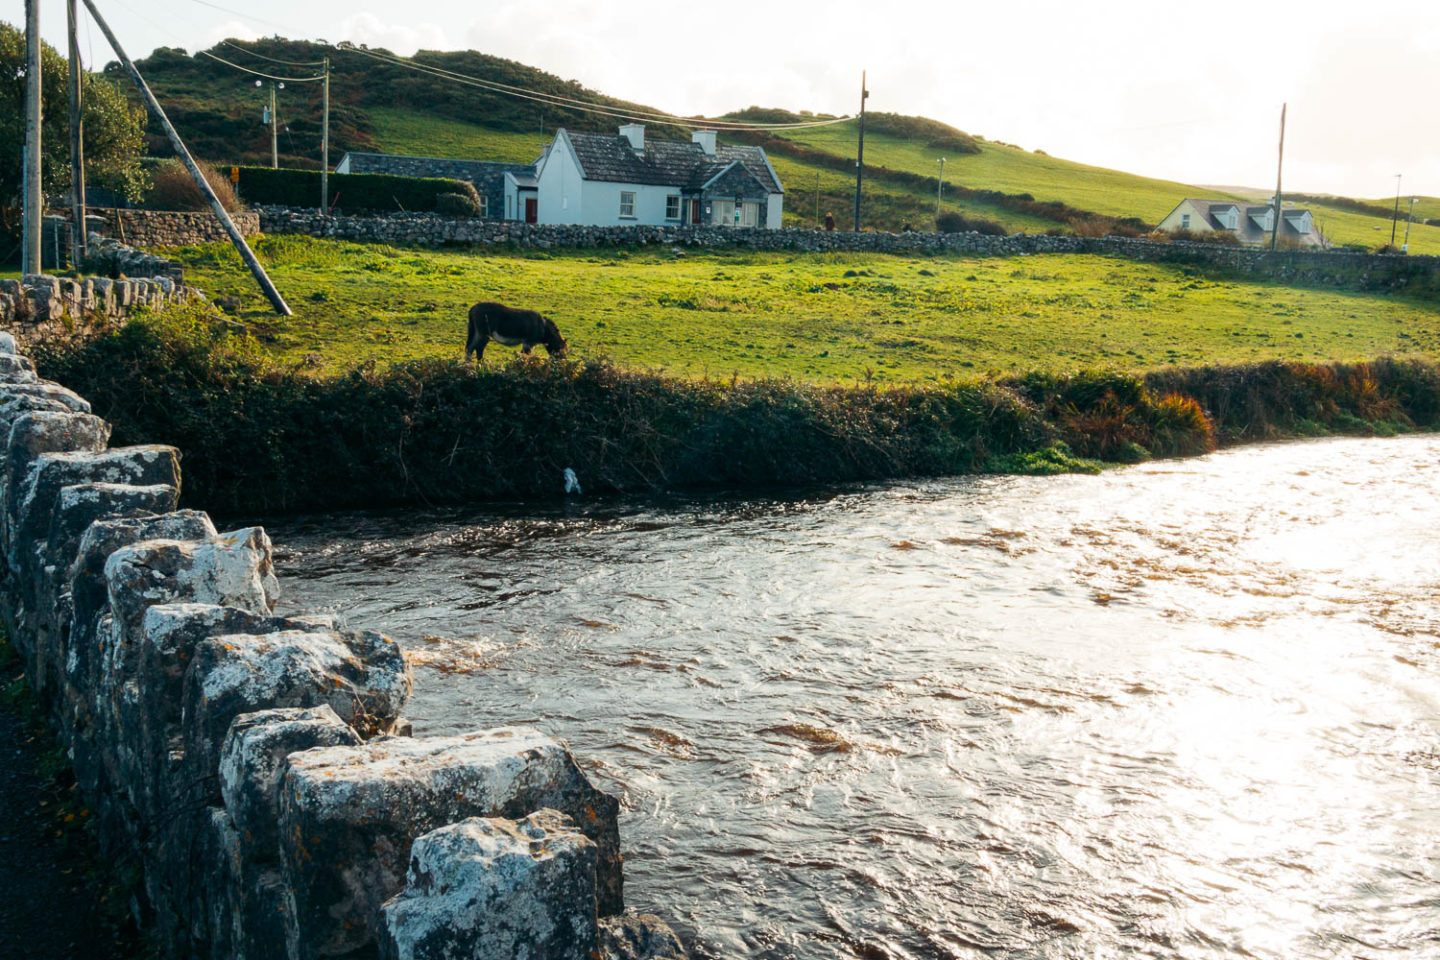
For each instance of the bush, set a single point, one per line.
(457, 205)
(349, 191)
(952, 222)
(172, 188)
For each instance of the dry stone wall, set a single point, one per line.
(258, 768)
(1362, 271)
(168, 228)
(41, 307)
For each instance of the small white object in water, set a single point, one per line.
(572, 482)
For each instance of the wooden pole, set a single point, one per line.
(274, 131)
(860, 152)
(33, 202)
(241, 247)
(77, 146)
(1279, 168)
(325, 142)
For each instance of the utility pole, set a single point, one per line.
(860, 152)
(241, 247)
(325, 142)
(939, 186)
(817, 200)
(274, 130)
(77, 146)
(1394, 220)
(1279, 168)
(33, 202)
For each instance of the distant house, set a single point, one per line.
(497, 183)
(611, 179)
(1249, 222)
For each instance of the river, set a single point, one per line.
(1185, 709)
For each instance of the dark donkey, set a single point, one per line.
(509, 326)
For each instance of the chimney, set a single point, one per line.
(635, 133)
(706, 139)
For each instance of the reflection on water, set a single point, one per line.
(1186, 709)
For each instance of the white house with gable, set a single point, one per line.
(623, 179)
(1247, 222)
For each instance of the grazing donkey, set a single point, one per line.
(509, 326)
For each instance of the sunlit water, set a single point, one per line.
(1186, 709)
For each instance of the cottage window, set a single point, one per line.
(724, 215)
(672, 207)
(627, 204)
(484, 205)
(1184, 221)
(749, 215)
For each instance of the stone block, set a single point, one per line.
(351, 814)
(36, 432)
(638, 937)
(362, 676)
(7, 342)
(492, 887)
(233, 569)
(69, 399)
(253, 763)
(16, 369)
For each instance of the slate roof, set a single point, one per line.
(666, 163)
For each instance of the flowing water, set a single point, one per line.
(1186, 709)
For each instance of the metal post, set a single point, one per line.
(1395, 218)
(939, 186)
(1409, 219)
(860, 152)
(325, 142)
(241, 247)
(274, 130)
(77, 146)
(33, 200)
(1279, 168)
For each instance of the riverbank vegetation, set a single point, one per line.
(261, 436)
(824, 318)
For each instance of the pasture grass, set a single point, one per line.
(824, 318)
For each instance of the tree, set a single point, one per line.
(114, 130)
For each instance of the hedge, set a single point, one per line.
(348, 191)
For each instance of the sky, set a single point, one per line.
(1182, 91)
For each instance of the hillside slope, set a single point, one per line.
(384, 107)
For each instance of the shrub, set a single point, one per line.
(350, 191)
(952, 222)
(173, 188)
(457, 205)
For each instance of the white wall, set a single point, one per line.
(559, 186)
(773, 210)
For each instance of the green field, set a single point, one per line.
(817, 317)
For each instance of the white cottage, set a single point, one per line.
(611, 180)
(1248, 222)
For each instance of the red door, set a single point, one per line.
(695, 210)
(532, 210)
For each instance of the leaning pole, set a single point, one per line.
(246, 254)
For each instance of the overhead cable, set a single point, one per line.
(267, 76)
(558, 100)
(288, 63)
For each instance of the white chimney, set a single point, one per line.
(635, 133)
(706, 139)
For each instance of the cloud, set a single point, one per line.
(403, 39)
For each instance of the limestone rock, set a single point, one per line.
(49, 391)
(232, 569)
(639, 937)
(253, 762)
(363, 677)
(16, 369)
(7, 343)
(491, 887)
(362, 807)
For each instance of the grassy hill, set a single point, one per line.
(384, 107)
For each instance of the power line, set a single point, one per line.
(237, 13)
(290, 63)
(267, 76)
(663, 119)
